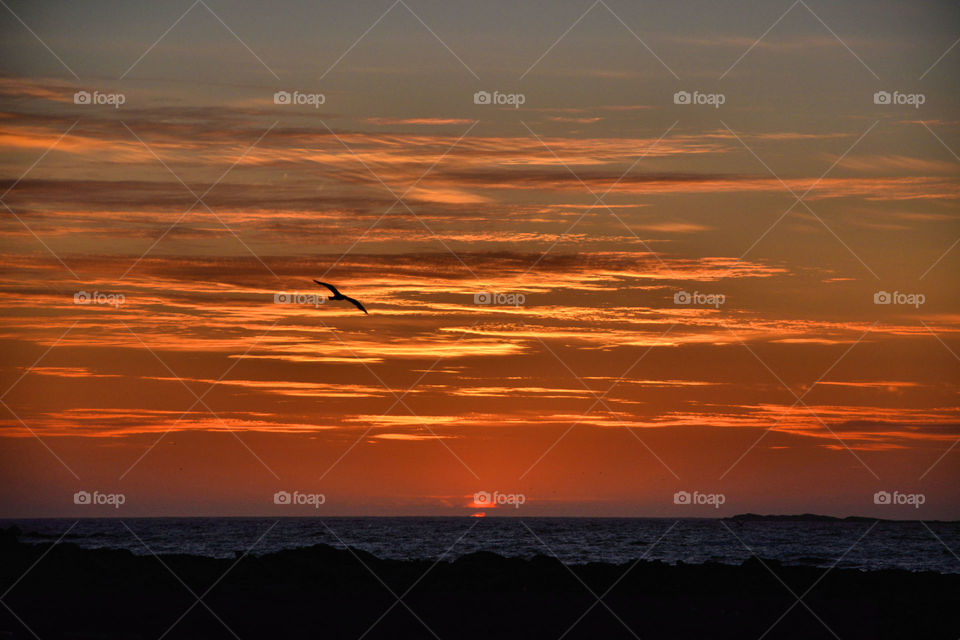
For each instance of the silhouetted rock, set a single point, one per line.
(324, 592)
(812, 517)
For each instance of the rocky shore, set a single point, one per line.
(324, 592)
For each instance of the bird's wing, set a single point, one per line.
(357, 304)
(328, 286)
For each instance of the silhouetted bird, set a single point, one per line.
(339, 296)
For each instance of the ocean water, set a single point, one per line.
(848, 544)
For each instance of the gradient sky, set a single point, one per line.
(598, 200)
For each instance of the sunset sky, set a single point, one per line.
(597, 201)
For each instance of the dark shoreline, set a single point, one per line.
(740, 517)
(325, 592)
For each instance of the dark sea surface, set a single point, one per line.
(915, 546)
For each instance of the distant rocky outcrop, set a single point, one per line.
(811, 517)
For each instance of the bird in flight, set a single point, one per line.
(339, 296)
